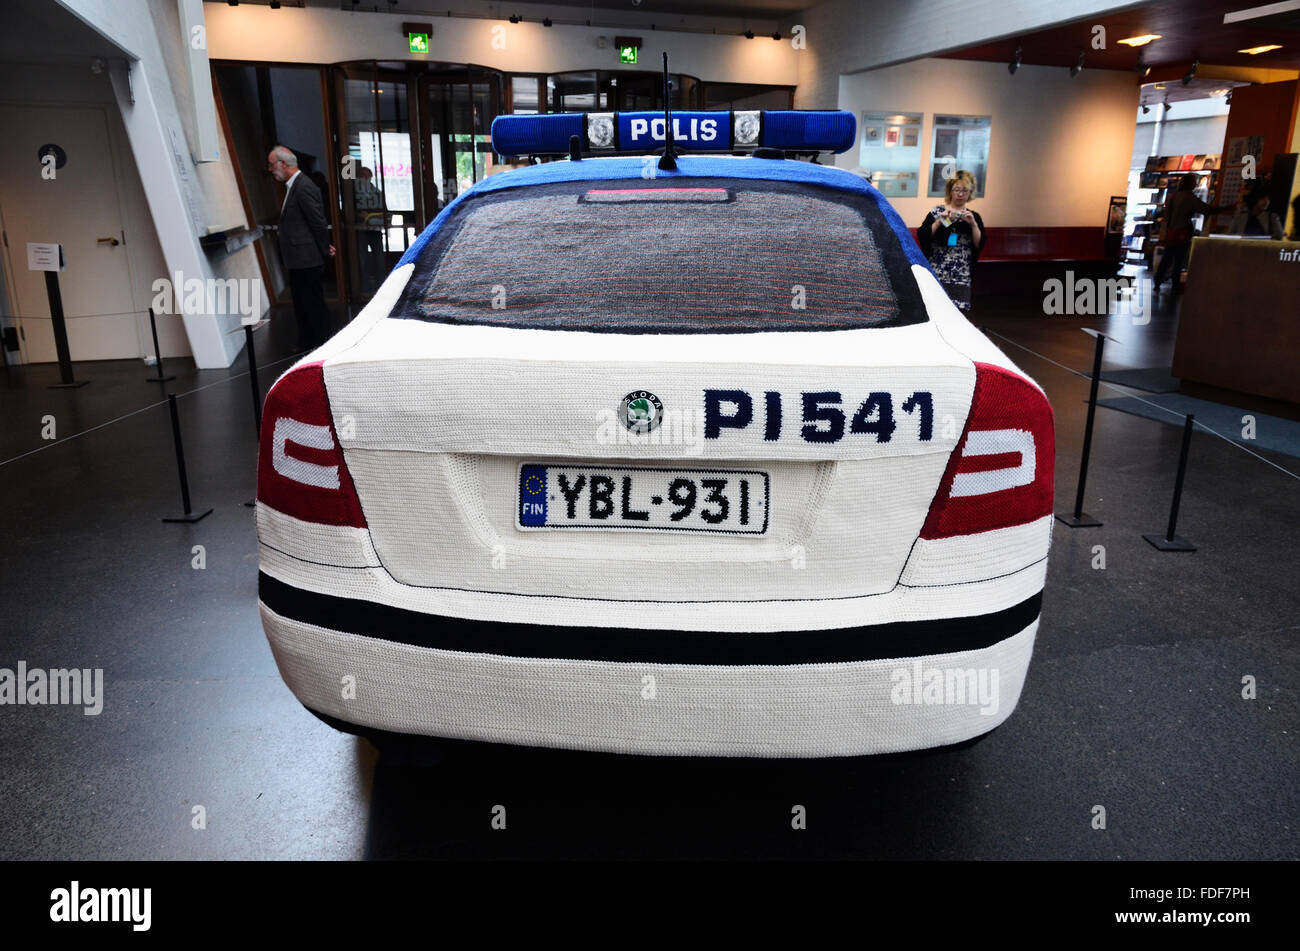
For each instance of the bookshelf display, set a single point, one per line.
(1162, 175)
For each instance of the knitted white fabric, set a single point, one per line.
(434, 421)
(838, 529)
(416, 386)
(806, 710)
(310, 569)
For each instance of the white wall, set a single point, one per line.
(1059, 147)
(290, 35)
(65, 84)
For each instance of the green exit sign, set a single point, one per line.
(627, 54)
(419, 42)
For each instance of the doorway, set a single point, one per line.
(71, 200)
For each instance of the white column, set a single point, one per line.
(194, 34)
(211, 340)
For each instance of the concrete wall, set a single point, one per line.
(1058, 149)
(258, 33)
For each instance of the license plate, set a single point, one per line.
(734, 501)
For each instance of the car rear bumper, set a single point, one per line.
(883, 688)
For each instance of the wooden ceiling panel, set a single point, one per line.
(1189, 29)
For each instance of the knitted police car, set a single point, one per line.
(681, 456)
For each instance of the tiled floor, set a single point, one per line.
(1133, 701)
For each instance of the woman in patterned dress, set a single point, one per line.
(952, 237)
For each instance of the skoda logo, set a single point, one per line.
(642, 411)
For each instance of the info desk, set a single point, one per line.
(1239, 326)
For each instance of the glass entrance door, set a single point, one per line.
(382, 201)
(414, 135)
(460, 106)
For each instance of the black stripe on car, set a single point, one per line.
(903, 639)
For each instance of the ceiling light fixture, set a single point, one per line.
(547, 22)
(1146, 110)
(776, 34)
(1015, 62)
(515, 18)
(1158, 86)
(1191, 73)
(1256, 50)
(748, 34)
(1077, 68)
(1142, 40)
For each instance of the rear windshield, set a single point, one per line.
(676, 256)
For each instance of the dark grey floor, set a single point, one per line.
(1133, 701)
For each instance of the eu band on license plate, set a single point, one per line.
(734, 501)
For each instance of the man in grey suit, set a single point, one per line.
(304, 245)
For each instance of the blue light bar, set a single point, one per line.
(597, 132)
(536, 135)
(830, 130)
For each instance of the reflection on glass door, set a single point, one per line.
(415, 136)
(381, 187)
(460, 110)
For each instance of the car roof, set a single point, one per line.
(688, 167)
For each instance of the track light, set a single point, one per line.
(749, 34)
(1077, 68)
(1146, 110)
(1015, 63)
(515, 18)
(1191, 73)
(275, 4)
(547, 22)
(776, 35)
(1168, 108)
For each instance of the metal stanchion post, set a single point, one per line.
(157, 354)
(1170, 541)
(67, 381)
(190, 515)
(254, 385)
(252, 379)
(1079, 518)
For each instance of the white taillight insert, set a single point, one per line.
(992, 442)
(304, 434)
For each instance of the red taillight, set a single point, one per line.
(1001, 473)
(300, 467)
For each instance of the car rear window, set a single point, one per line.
(674, 256)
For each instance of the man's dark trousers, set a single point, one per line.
(309, 306)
